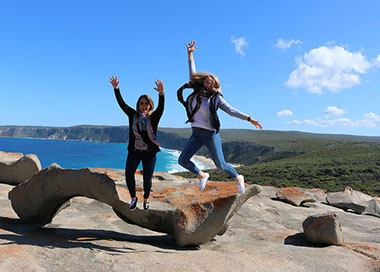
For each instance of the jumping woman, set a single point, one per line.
(143, 123)
(201, 108)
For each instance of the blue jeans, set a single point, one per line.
(212, 141)
(148, 162)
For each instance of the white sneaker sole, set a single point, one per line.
(240, 184)
(203, 181)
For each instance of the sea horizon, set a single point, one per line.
(77, 154)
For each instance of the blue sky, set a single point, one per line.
(293, 65)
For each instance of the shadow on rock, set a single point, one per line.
(190, 216)
(299, 239)
(50, 237)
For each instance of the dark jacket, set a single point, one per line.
(154, 117)
(190, 111)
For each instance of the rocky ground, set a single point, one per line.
(265, 235)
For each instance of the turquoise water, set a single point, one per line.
(78, 154)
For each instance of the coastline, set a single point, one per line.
(206, 162)
(202, 162)
(210, 163)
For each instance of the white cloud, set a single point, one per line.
(240, 45)
(310, 122)
(319, 122)
(295, 122)
(372, 115)
(284, 113)
(286, 44)
(376, 62)
(330, 68)
(370, 120)
(339, 122)
(332, 110)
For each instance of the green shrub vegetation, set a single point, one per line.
(329, 163)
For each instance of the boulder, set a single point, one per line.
(323, 229)
(40, 198)
(16, 168)
(295, 196)
(353, 200)
(190, 216)
(373, 208)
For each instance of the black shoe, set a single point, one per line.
(146, 206)
(133, 204)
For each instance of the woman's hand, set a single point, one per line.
(255, 123)
(115, 83)
(160, 87)
(190, 49)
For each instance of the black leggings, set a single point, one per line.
(148, 162)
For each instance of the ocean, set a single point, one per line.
(81, 154)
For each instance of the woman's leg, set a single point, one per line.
(214, 144)
(193, 145)
(148, 162)
(133, 162)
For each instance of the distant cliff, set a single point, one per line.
(235, 152)
(80, 133)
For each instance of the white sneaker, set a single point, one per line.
(203, 181)
(240, 184)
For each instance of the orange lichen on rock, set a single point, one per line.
(106, 215)
(290, 191)
(297, 196)
(371, 250)
(112, 173)
(183, 197)
(123, 193)
(194, 214)
(10, 249)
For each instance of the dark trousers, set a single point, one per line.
(148, 162)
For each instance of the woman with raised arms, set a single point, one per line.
(143, 123)
(201, 108)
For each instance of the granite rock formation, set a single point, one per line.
(16, 168)
(191, 217)
(323, 229)
(263, 235)
(298, 196)
(355, 201)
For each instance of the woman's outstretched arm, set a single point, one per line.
(190, 49)
(223, 105)
(115, 84)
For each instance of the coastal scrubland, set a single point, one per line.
(307, 160)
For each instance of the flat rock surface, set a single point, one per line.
(264, 235)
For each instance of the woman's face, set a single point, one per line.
(144, 105)
(209, 83)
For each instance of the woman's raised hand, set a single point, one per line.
(160, 87)
(114, 82)
(190, 49)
